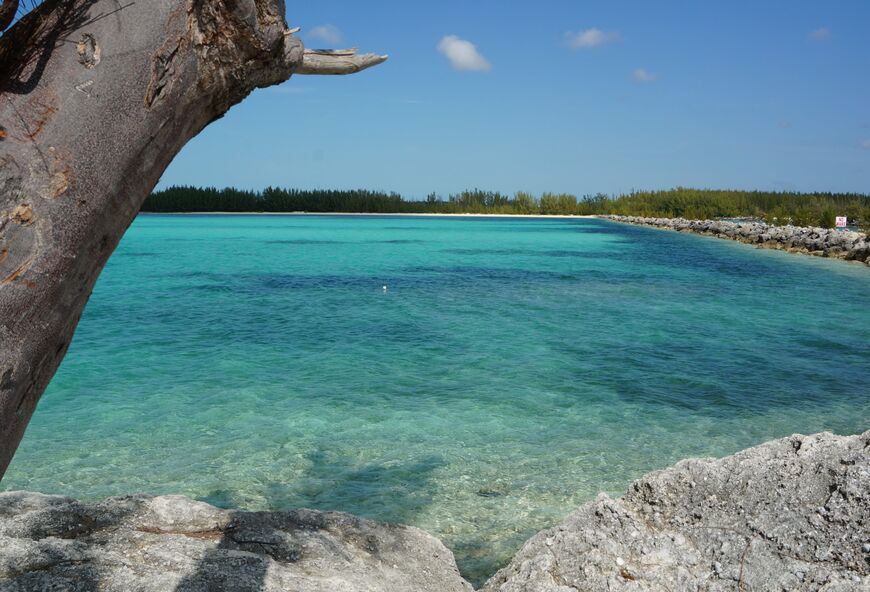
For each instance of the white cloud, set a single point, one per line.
(589, 38)
(865, 144)
(820, 34)
(641, 75)
(463, 55)
(327, 33)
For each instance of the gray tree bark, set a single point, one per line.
(96, 98)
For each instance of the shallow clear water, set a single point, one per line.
(512, 370)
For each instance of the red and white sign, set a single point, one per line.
(842, 222)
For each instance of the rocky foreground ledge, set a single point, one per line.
(792, 515)
(166, 544)
(822, 242)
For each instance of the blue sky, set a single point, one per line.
(574, 96)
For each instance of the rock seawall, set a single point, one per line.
(822, 242)
(793, 514)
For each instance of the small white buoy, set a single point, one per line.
(385, 288)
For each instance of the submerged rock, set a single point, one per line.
(173, 543)
(793, 514)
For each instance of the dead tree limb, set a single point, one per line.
(336, 61)
(96, 98)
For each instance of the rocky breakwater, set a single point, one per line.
(823, 242)
(793, 514)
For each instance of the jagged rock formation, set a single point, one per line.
(792, 515)
(823, 242)
(167, 544)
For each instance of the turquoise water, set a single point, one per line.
(511, 371)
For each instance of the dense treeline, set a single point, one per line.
(802, 209)
(194, 199)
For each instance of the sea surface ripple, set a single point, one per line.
(511, 370)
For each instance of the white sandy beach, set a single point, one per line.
(360, 214)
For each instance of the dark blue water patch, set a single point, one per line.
(190, 240)
(694, 252)
(489, 251)
(279, 281)
(828, 343)
(215, 288)
(303, 241)
(400, 241)
(521, 278)
(656, 374)
(586, 254)
(536, 228)
(499, 274)
(321, 325)
(512, 221)
(710, 258)
(597, 230)
(549, 253)
(411, 277)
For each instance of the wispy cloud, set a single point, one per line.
(589, 38)
(820, 34)
(327, 33)
(463, 55)
(642, 75)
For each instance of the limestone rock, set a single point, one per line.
(165, 544)
(793, 514)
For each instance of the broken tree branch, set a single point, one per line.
(336, 61)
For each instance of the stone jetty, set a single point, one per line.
(822, 242)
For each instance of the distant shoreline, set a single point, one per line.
(368, 214)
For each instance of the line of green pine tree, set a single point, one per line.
(801, 209)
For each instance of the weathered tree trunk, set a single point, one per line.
(8, 10)
(96, 98)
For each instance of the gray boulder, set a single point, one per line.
(789, 515)
(165, 544)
